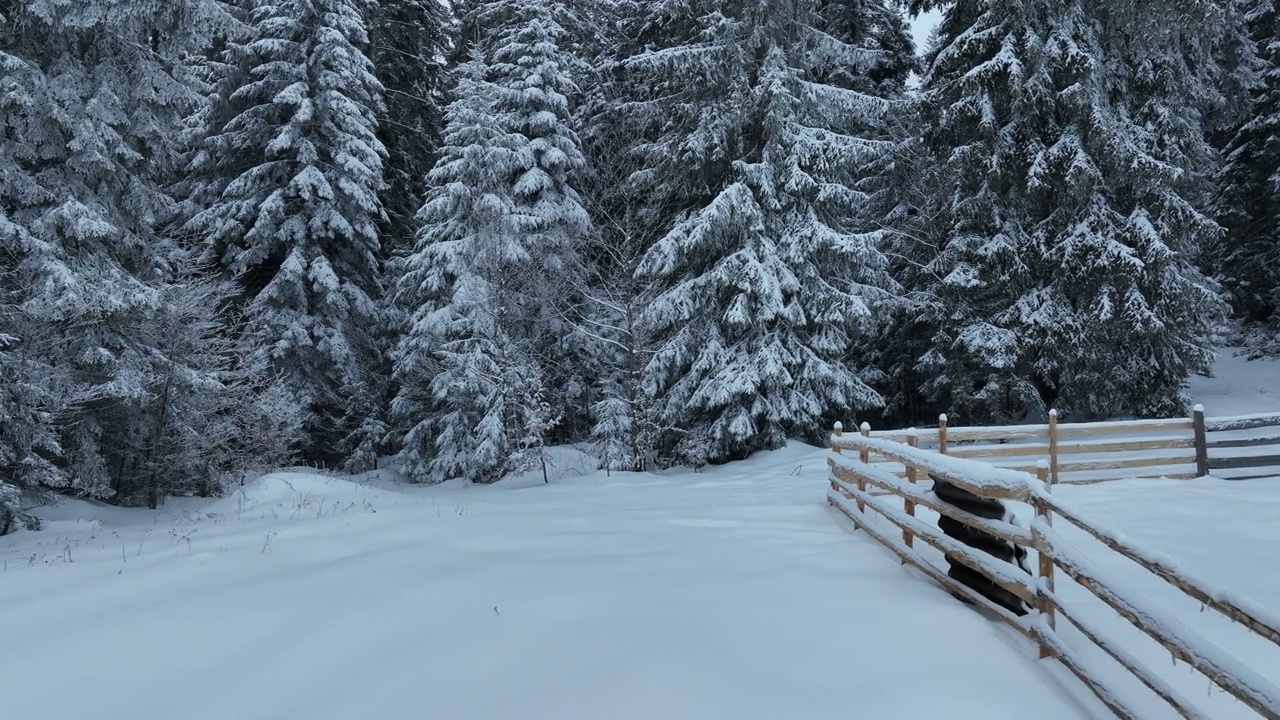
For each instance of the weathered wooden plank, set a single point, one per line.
(1072, 448)
(1242, 422)
(1269, 629)
(1170, 426)
(1109, 446)
(1120, 463)
(1134, 666)
(973, 475)
(1223, 443)
(1065, 655)
(1247, 686)
(1098, 481)
(894, 486)
(1011, 432)
(1125, 463)
(1245, 461)
(1005, 575)
(932, 571)
(1008, 450)
(1274, 473)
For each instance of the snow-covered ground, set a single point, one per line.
(735, 593)
(1239, 386)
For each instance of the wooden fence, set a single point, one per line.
(1235, 448)
(853, 475)
(1244, 447)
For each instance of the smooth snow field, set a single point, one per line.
(731, 594)
(735, 593)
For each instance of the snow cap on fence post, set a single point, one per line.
(864, 455)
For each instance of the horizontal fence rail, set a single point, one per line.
(1234, 448)
(862, 479)
(1244, 447)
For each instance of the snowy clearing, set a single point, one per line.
(736, 593)
(1239, 386)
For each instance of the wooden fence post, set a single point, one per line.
(865, 456)
(907, 537)
(942, 433)
(1053, 447)
(1201, 439)
(1046, 562)
(837, 430)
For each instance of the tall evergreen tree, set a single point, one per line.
(497, 259)
(1068, 192)
(1246, 258)
(103, 366)
(410, 41)
(764, 278)
(622, 429)
(286, 190)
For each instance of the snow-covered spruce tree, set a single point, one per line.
(764, 278)
(409, 43)
(105, 363)
(874, 25)
(497, 259)
(1246, 258)
(1236, 74)
(1067, 187)
(29, 446)
(622, 431)
(286, 190)
(888, 182)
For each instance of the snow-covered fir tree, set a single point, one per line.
(1246, 258)
(873, 25)
(410, 41)
(29, 446)
(286, 188)
(622, 431)
(1067, 202)
(765, 276)
(105, 366)
(497, 261)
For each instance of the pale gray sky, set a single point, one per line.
(922, 25)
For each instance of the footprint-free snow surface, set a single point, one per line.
(733, 594)
(736, 593)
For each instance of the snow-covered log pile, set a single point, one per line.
(858, 465)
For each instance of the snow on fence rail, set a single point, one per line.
(853, 477)
(1243, 447)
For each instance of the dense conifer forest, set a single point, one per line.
(241, 233)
